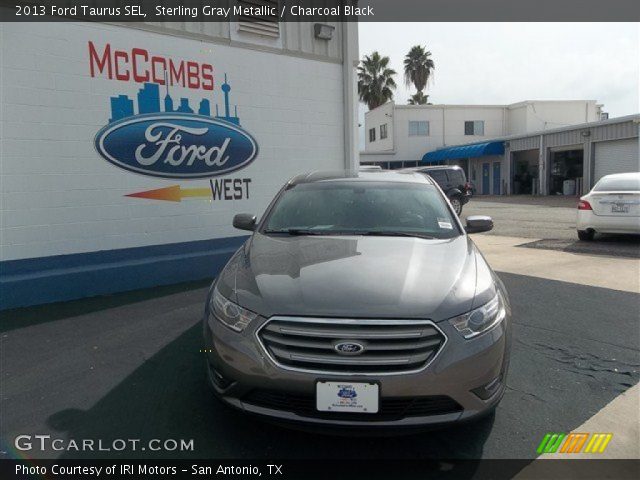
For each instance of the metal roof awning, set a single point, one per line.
(464, 151)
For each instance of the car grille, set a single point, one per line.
(389, 346)
(390, 408)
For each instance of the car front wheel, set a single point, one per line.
(586, 235)
(456, 204)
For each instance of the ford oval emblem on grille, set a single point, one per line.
(349, 348)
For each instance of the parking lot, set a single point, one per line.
(130, 366)
(527, 216)
(550, 222)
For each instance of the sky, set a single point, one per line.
(501, 63)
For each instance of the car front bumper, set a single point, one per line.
(244, 376)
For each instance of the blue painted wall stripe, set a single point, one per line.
(35, 281)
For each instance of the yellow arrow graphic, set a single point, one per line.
(172, 194)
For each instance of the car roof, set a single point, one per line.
(622, 175)
(397, 176)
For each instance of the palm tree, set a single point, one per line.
(375, 80)
(418, 68)
(419, 99)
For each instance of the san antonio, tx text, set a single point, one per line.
(124, 469)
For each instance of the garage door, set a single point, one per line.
(617, 156)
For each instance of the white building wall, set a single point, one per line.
(548, 115)
(517, 119)
(60, 197)
(413, 147)
(377, 117)
(455, 118)
(295, 37)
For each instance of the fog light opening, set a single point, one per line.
(218, 379)
(487, 391)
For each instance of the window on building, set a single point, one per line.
(418, 128)
(267, 25)
(383, 131)
(474, 127)
(372, 134)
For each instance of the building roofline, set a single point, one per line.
(509, 105)
(447, 105)
(529, 102)
(391, 102)
(487, 105)
(580, 126)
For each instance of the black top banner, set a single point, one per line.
(320, 10)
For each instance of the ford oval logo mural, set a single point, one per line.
(176, 145)
(177, 142)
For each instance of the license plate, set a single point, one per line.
(619, 208)
(347, 397)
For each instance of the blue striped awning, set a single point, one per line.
(464, 151)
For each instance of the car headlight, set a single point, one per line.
(481, 319)
(229, 313)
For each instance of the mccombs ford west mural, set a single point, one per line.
(128, 149)
(163, 137)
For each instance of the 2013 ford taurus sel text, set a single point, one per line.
(359, 300)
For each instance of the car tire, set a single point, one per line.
(586, 235)
(456, 203)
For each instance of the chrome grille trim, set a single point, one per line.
(267, 337)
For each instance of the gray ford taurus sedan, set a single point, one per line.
(359, 300)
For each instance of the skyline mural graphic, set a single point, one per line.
(148, 100)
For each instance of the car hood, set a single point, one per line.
(356, 276)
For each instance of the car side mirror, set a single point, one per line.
(245, 221)
(479, 223)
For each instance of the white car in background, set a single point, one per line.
(612, 206)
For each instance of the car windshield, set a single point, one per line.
(618, 184)
(363, 208)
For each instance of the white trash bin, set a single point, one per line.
(569, 187)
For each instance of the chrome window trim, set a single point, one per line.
(349, 321)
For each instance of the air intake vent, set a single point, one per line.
(260, 17)
(390, 408)
(351, 346)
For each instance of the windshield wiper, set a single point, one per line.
(373, 233)
(298, 231)
(397, 234)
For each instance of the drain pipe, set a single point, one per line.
(350, 95)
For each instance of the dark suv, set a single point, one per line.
(452, 181)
